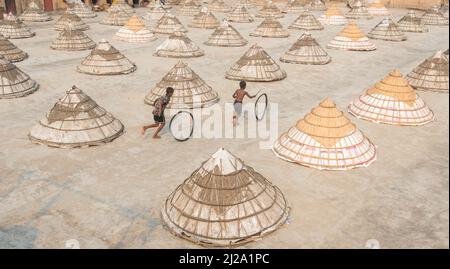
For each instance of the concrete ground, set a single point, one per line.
(110, 196)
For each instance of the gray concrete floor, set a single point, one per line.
(110, 196)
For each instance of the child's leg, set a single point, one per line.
(161, 125)
(145, 127)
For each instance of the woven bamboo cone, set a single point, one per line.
(317, 5)
(294, 6)
(14, 82)
(434, 17)
(188, 8)
(392, 101)
(134, 31)
(168, 24)
(76, 121)
(104, 59)
(77, 22)
(240, 14)
(226, 36)
(178, 45)
(219, 6)
(351, 38)
(431, 74)
(377, 8)
(204, 20)
(71, 39)
(270, 27)
(243, 3)
(256, 65)
(118, 18)
(10, 51)
(155, 13)
(359, 11)
(121, 5)
(270, 9)
(34, 14)
(224, 203)
(325, 139)
(387, 30)
(306, 21)
(13, 28)
(411, 23)
(306, 50)
(190, 90)
(82, 10)
(333, 16)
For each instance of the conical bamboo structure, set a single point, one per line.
(306, 50)
(134, 31)
(270, 27)
(82, 10)
(76, 121)
(387, 30)
(190, 90)
(168, 24)
(178, 45)
(188, 8)
(434, 17)
(104, 59)
(13, 28)
(377, 8)
(325, 139)
(333, 16)
(219, 6)
(306, 21)
(270, 9)
(295, 6)
(34, 13)
(77, 22)
(122, 6)
(205, 20)
(351, 38)
(359, 11)
(240, 14)
(411, 23)
(226, 36)
(317, 5)
(155, 13)
(243, 3)
(224, 203)
(10, 51)
(392, 101)
(256, 65)
(431, 74)
(118, 18)
(70, 39)
(14, 82)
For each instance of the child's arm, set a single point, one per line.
(235, 94)
(250, 96)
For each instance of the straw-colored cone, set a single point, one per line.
(134, 31)
(12, 28)
(155, 13)
(377, 8)
(224, 203)
(306, 21)
(434, 17)
(219, 6)
(306, 50)
(77, 23)
(392, 101)
(256, 65)
(82, 10)
(240, 14)
(325, 139)
(431, 74)
(294, 6)
(76, 121)
(188, 8)
(34, 13)
(333, 16)
(70, 39)
(351, 38)
(226, 36)
(244, 3)
(387, 30)
(205, 20)
(270, 27)
(190, 90)
(270, 9)
(317, 5)
(10, 51)
(168, 24)
(359, 11)
(14, 82)
(411, 23)
(121, 5)
(104, 59)
(178, 45)
(118, 18)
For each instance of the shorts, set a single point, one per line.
(238, 108)
(159, 119)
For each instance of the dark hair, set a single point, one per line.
(242, 84)
(169, 90)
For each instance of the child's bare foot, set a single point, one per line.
(142, 130)
(156, 137)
